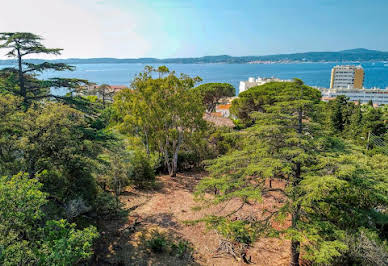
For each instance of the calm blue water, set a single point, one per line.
(313, 74)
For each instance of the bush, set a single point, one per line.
(64, 245)
(141, 173)
(26, 239)
(161, 242)
(239, 231)
(188, 160)
(106, 204)
(181, 249)
(222, 140)
(158, 242)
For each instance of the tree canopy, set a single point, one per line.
(23, 241)
(21, 44)
(321, 179)
(255, 99)
(163, 112)
(212, 93)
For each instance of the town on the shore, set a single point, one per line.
(347, 80)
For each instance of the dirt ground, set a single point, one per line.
(165, 209)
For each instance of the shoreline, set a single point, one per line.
(3, 64)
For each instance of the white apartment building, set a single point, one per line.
(378, 96)
(347, 77)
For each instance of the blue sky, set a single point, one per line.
(190, 28)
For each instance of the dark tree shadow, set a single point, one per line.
(164, 220)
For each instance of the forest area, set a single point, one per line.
(84, 174)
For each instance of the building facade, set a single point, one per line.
(350, 77)
(377, 96)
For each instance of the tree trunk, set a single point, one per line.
(175, 156)
(295, 245)
(167, 161)
(146, 144)
(23, 92)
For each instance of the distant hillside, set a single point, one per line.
(359, 54)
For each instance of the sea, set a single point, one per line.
(313, 74)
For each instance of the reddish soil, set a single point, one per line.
(166, 209)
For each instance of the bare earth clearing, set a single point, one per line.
(166, 209)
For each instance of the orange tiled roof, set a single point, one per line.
(118, 87)
(224, 106)
(217, 114)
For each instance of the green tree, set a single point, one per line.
(254, 99)
(373, 122)
(322, 181)
(104, 91)
(339, 113)
(20, 209)
(54, 141)
(212, 93)
(25, 240)
(163, 112)
(11, 120)
(8, 83)
(354, 128)
(63, 244)
(21, 44)
(162, 70)
(59, 140)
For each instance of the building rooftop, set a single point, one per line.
(347, 66)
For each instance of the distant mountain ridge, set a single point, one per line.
(358, 54)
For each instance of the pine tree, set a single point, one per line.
(354, 128)
(212, 93)
(374, 123)
(22, 44)
(338, 113)
(321, 182)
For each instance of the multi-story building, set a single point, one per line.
(252, 82)
(350, 77)
(377, 96)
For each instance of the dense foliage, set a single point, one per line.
(23, 239)
(328, 189)
(22, 44)
(163, 112)
(212, 93)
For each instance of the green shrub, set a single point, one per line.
(141, 174)
(222, 140)
(64, 245)
(106, 204)
(181, 249)
(161, 242)
(26, 238)
(158, 242)
(188, 160)
(237, 231)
